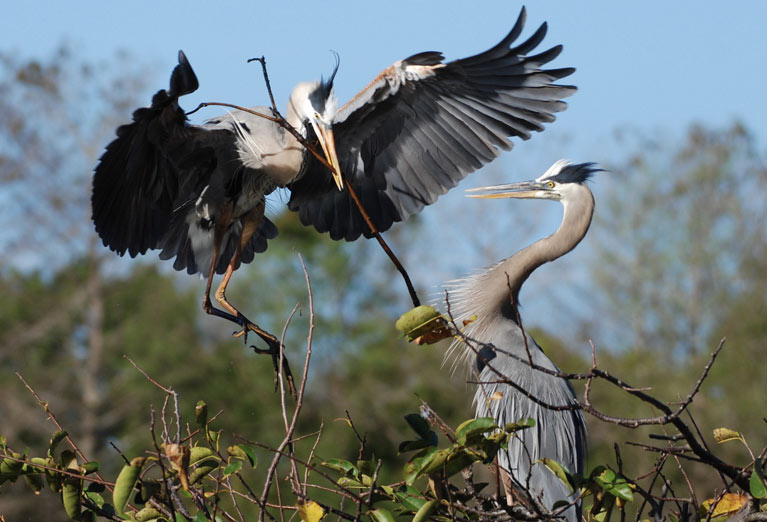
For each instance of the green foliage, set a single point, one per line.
(680, 264)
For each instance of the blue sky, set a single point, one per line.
(654, 66)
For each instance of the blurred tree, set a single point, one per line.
(672, 233)
(66, 324)
(681, 260)
(679, 265)
(54, 115)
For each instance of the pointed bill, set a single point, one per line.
(522, 189)
(328, 144)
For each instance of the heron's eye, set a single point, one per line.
(316, 115)
(550, 184)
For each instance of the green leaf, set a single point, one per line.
(149, 489)
(381, 515)
(147, 514)
(434, 462)
(460, 460)
(422, 429)
(342, 466)
(71, 497)
(410, 498)
(90, 467)
(232, 468)
(422, 320)
(250, 454)
(53, 479)
(414, 466)
(35, 481)
(560, 471)
(425, 511)
(125, 484)
(203, 468)
(214, 437)
(96, 498)
(201, 414)
(722, 435)
(756, 485)
(366, 467)
(348, 482)
(419, 425)
(200, 453)
(615, 485)
(412, 445)
(11, 466)
(41, 462)
(521, 425)
(55, 439)
(473, 428)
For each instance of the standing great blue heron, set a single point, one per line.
(491, 299)
(196, 192)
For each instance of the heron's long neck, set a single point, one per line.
(292, 117)
(507, 277)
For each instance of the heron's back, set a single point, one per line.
(557, 435)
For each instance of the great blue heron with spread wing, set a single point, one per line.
(504, 350)
(196, 192)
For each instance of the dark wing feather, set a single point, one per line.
(421, 126)
(136, 183)
(149, 178)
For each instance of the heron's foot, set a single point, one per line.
(274, 345)
(276, 350)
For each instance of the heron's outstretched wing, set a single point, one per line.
(149, 178)
(136, 182)
(422, 125)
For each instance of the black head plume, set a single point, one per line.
(574, 173)
(322, 93)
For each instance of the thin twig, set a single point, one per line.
(166, 481)
(311, 454)
(282, 122)
(299, 400)
(54, 420)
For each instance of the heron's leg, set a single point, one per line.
(250, 224)
(223, 219)
(507, 487)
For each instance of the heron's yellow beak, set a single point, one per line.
(328, 144)
(523, 189)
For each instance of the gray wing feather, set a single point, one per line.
(421, 126)
(558, 435)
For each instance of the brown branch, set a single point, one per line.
(299, 403)
(311, 454)
(282, 122)
(341, 490)
(669, 416)
(54, 420)
(163, 472)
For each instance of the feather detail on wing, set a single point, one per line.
(422, 125)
